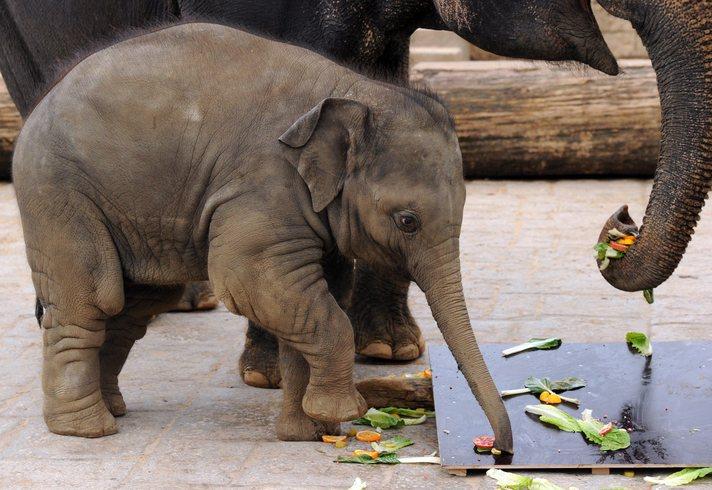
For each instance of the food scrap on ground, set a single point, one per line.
(640, 342)
(682, 477)
(512, 481)
(368, 436)
(531, 344)
(333, 439)
(393, 417)
(549, 389)
(424, 374)
(609, 439)
(358, 484)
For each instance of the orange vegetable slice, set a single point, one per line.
(333, 439)
(340, 444)
(371, 454)
(618, 247)
(628, 240)
(368, 436)
(550, 398)
(425, 374)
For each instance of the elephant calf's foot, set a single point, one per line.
(93, 421)
(325, 404)
(259, 362)
(198, 296)
(298, 427)
(386, 334)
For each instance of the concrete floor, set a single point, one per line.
(528, 271)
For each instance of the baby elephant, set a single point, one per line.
(201, 152)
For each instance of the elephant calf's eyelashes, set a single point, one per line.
(407, 222)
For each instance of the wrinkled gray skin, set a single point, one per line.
(199, 152)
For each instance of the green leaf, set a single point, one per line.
(540, 385)
(407, 412)
(682, 477)
(391, 445)
(512, 481)
(419, 421)
(613, 441)
(550, 343)
(640, 342)
(376, 418)
(554, 416)
(649, 296)
(388, 458)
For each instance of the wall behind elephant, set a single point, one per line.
(429, 45)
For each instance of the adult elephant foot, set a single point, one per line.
(259, 362)
(383, 325)
(198, 296)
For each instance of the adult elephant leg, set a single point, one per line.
(383, 325)
(259, 363)
(197, 296)
(293, 423)
(142, 304)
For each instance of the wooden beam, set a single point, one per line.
(397, 391)
(524, 119)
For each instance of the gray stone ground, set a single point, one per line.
(527, 269)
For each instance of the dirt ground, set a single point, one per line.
(528, 270)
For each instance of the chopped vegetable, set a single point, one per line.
(358, 484)
(383, 420)
(615, 248)
(341, 444)
(554, 416)
(388, 458)
(371, 454)
(612, 439)
(538, 386)
(391, 445)
(536, 343)
(407, 412)
(550, 398)
(483, 443)
(333, 439)
(368, 436)
(512, 481)
(424, 374)
(649, 296)
(640, 342)
(352, 432)
(682, 477)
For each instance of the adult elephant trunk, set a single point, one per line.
(678, 36)
(439, 277)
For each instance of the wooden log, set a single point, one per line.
(10, 123)
(397, 391)
(521, 119)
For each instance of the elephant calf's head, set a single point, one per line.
(389, 175)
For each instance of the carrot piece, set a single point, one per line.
(333, 439)
(368, 436)
(550, 398)
(371, 454)
(618, 247)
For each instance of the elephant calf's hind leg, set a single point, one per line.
(141, 305)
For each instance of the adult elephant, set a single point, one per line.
(42, 37)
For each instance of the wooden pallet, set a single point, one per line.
(666, 401)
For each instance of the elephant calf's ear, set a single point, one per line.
(327, 136)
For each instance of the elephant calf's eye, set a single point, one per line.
(406, 221)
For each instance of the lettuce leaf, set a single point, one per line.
(554, 416)
(536, 343)
(387, 458)
(391, 445)
(640, 342)
(682, 477)
(613, 441)
(512, 481)
(376, 418)
(407, 412)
